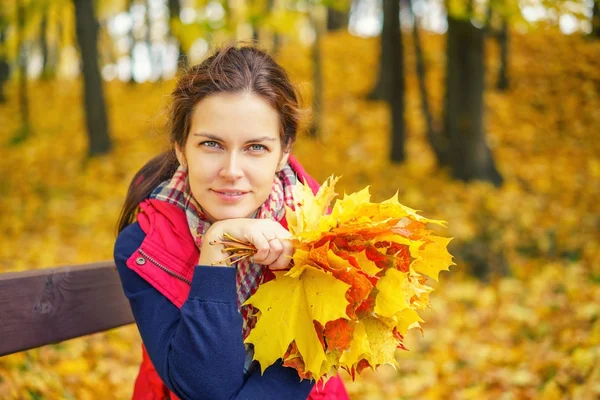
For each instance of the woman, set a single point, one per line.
(233, 120)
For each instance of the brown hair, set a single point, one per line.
(230, 69)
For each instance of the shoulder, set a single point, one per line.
(128, 241)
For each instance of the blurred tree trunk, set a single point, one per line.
(132, 41)
(56, 48)
(489, 17)
(174, 12)
(503, 42)
(438, 142)
(394, 74)
(4, 66)
(148, 37)
(596, 19)
(336, 19)
(95, 112)
(276, 39)
(470, 156)
(501, 36)
(49, 51)
(44, 44)
(24, 131)
(391, 44)
(254, 19)
(317, 61)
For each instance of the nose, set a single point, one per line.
(232, 168)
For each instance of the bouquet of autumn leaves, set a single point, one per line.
(358, 277)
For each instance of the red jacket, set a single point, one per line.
(169, 242)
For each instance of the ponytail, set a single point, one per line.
(158, 169)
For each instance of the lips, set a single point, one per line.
(230, 192)
(230, 195)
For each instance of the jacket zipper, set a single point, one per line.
(168, 271)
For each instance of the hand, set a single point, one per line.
(269, 237)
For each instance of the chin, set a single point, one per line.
(230, 214)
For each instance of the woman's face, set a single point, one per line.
(232, 153)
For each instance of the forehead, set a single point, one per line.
(235, 116)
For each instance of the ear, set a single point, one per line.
(179, 154)
(284, 160)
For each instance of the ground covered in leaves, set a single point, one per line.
(531, 330)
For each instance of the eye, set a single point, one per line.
(257, 147)
(210, 144)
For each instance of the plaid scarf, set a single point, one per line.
(248, 275)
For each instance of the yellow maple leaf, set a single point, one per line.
(411, 212)
(433, 257)
(300, 263)
(392, 296)
(310, 209)
(346, 208)
(288, 307)
(395, 238)
(358, 347)
(365, 264)
(382, 343)
(330, 366)
(398, 291)
(407, 319)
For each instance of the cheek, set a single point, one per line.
(262, 174)
(200, 176)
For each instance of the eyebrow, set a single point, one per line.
(215, 137)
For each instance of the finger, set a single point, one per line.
(283, 233)
(274, 251)
(262, 247)
(285, 256)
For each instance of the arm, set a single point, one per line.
(197, 350)
(277, 382)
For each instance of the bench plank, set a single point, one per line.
(44, 306)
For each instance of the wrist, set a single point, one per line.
(213, 257)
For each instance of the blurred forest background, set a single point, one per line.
(483, 113)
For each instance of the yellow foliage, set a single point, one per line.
(308, 216)
(381, 341)
(288, 307)
(433, 257)
(396, 291)
(378, 294)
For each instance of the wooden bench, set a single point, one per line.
(45, 306)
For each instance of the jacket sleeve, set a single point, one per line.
(197, 350)
(277, 382)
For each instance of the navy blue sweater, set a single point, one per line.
(198, 350)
